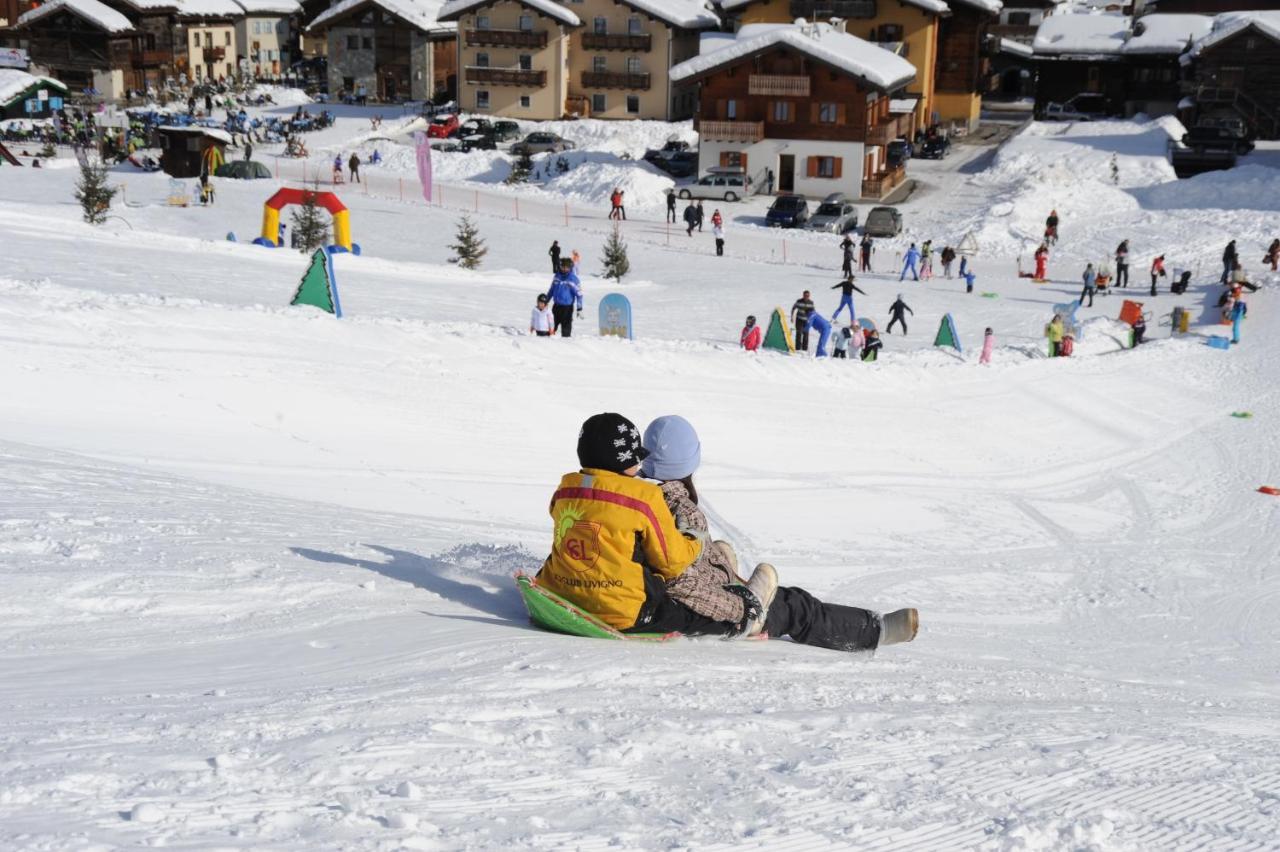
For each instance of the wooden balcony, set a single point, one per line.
(731, 131)
(815, 9)
(778, 85)
(506, 76)
(614, 80)
(889, 129)
(617, 41)
(150, 58)
(215, 54)
(879, 184)
(507, 38)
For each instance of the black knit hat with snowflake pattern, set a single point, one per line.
(610, 441)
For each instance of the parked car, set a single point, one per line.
(443, 126)
(1219, 135)
(897, 152)
(835, 215)
(681, 164)
(729, 187)
(670, 149)
(935, 147)
(505, 131)
(483, 141)
(473, 126)
(787, 211)
(883, 222)
(1086, 106)
(540, 142)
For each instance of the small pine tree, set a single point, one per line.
(93, 192)
(469, 247)
(521, 168)
(616, 263)
(309, 226)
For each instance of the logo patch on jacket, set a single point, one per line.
(580, 545)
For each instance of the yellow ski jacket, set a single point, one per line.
(607, 528)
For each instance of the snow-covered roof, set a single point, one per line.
(936, 6)
(1167, 34)
(901, 106)
(96, 13)
(147, 5)
(14, 81)
(269, 7)
(688, 14)
(1017, 48)
(216, 133)
(1229, 24)
(423, 14)
(209, 9)
(822, 42)
(1081, 35)
(991, 7)
(455, 9)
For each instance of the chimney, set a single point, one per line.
(838, 24)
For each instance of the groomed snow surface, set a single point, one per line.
(257, 561)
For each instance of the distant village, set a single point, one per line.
(838, 81)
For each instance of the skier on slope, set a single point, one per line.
(565, 292)
(910, 260)
(846, 288)
(896, 314)
(1042, 263)
(750, 337)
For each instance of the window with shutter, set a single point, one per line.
(811, 167)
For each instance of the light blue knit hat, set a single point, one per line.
(674, 449)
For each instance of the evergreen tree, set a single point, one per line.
(93, 192)
(310, 227)
(469, 247)
(521, 168)
(616, 263)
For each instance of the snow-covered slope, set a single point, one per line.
(257, 561)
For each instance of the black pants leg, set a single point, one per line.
(802, 336)
(839, 353)
(798, 614)
(671, 616)
(671, 215)
(563, 315)
(719, 248)
(893, 320)
(1122, 275)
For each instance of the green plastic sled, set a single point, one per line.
(552, 612)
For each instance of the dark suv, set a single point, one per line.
(788, 211)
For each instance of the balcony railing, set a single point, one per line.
(731, 131)
(507, 38)
(506, 76)
(779, 85)
(813, 9)
(150, 57)
(617, 41)
(614, 80)
(879, 184)
(890, 129)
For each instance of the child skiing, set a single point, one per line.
(750, 337)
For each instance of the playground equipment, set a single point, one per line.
(778, 336)
(284, 197)
(947, 334)
(615, 317)
(319, 287)
(7, 157)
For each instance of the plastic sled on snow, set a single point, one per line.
(552, 612)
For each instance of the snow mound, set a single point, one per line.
(1252, 187)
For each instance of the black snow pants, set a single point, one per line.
(1122, 275)
(563, 316)
(802, 335)
(794, 612)
(896, 318)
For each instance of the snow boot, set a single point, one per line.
(901, 625)
(764, 585)
(732, 556)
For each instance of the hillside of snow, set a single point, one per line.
(257, 561)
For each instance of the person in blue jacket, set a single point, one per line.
(909, 262)
(566, 293)
(818, 323)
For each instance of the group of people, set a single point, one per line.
(918, 260)
(555, 309)
(631, 546)
(353, 165)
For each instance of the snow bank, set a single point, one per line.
(1248, 187)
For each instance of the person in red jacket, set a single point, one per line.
(750, 337)
(1042, 262)
(1157, 271)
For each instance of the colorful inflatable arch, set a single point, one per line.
(284, 197)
